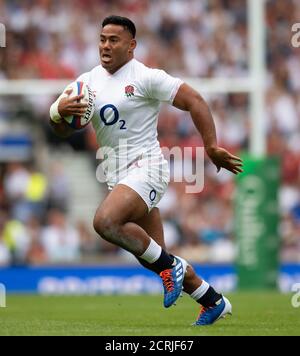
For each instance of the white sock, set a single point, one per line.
(200, 291)
(152, 252)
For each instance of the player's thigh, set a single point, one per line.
(121, 205)
(151, 222)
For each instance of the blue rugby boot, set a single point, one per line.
(172, 281)
(211, 314)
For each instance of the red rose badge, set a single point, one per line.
(129, 91)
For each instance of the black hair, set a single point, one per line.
(122, 21)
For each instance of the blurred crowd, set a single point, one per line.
(34, 224)
(58, 39)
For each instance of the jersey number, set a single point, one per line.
(115, 116)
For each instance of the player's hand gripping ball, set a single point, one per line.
(79, 122)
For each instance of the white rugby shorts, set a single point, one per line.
(149, 178)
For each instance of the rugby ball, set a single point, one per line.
(79, 122)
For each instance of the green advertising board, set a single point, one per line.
(257, 223)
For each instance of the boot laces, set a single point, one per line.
(168, 282)
(202, 311)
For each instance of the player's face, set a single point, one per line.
(116, 47)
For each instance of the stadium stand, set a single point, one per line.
(209, 40)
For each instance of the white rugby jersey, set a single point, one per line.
(126, 111)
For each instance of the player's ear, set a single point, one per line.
(132, 45)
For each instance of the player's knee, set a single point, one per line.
(104, 226)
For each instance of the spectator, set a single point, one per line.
(60, 240)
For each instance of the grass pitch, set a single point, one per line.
(253, 314)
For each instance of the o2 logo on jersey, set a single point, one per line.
(109, 115)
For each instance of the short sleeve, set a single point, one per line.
(84, 78)
(162, 86)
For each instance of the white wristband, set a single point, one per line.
(54, 115)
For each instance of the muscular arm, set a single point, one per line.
(61, 129)
(188, 99)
